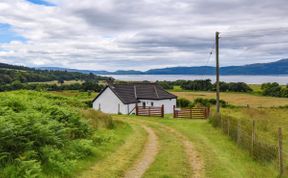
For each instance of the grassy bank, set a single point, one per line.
(45, 135)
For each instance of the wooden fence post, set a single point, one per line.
(238, 132)
(162, 110)
(228, 127)
(174, 114)
(221, 121)
(118, 108)
(136, 106)
(149, 112)
(253, 138)
(190, 113)
(205, 112)
(280, 152)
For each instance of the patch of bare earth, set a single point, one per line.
(146, 158)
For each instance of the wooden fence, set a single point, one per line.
(269, 148)
(191, 113)
(150, 111)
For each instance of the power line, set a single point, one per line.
(209, 56)
(210, 53)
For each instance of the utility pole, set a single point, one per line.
(217, 74)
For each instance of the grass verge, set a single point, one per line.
(116, 163)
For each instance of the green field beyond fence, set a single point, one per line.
(262, 146)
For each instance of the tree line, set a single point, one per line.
(10, 75)
(274, 89)
(89, 85)
(206, 85)
(267, 89)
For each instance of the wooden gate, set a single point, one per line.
(150, 111)
(191, 113)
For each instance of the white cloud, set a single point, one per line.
(143, 34)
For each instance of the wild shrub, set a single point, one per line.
(209, 102)
(42, 134)
(183, 102)
(81, 148)
(55, 161)
(22, 168)
(101, 138)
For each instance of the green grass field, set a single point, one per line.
(238, 99)
(111, 147)
(222, 158)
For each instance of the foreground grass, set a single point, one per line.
(222, 157)
(171, 160)
(44, 135)
(117, 162)
(109, 142)
(238, 99)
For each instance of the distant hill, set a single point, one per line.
(279, 67)
(273, 68)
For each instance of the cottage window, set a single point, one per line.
(144, 104)
(152, 104)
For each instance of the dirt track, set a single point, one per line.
(146, 158)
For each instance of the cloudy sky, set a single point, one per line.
(141, 34)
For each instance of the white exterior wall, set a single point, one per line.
(168, 104)
(109, 103)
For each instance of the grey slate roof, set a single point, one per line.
(132, 92)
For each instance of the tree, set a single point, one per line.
(60, 81)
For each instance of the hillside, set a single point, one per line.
(10, 73)
(279, 67)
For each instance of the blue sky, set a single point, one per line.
(7, 34)
(141, 34)
(41, 2)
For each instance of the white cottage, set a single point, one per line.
(122, 98)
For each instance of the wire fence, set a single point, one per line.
(263, 146)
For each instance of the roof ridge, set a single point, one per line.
(156, 91)
(135, 91)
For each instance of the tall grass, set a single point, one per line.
(45, 135)
(237, 123)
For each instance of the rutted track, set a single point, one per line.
(134, 164)
(193, 157)
(116, 164)
(147, 157)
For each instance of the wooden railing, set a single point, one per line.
(150, 111)
(191, 113)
